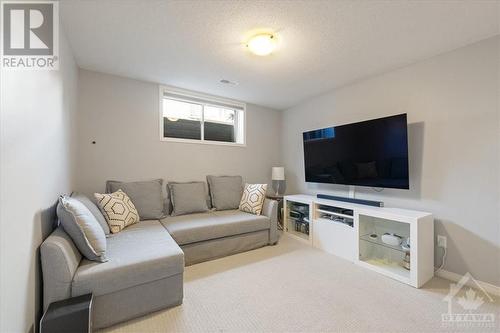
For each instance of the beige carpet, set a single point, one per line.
(294, 288)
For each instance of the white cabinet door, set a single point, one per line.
(335, 238)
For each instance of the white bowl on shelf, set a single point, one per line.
(391, 239)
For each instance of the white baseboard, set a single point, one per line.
(490, 288)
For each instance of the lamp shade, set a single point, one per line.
(278, 173)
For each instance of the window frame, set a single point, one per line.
(202, 99)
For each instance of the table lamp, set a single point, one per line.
(278, 178)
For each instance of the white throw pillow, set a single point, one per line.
(118, 210)
(81, 225)
(253, 198)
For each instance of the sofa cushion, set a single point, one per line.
(188, 198)
(194, 228)
(82, 226)
(93, 209)
(225, 191)
(147, 196)
(141, 253)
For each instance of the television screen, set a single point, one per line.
(370, 153)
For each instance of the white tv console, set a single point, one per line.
(344, 229)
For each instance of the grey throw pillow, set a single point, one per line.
(225, 191)
(81, 225)
(93, 209)
(147, 196)
(188, 198)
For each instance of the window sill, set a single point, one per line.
(206, 142)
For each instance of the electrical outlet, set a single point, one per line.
(441, 241)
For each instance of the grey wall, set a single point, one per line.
(122, 116)
(452, 105)
(37, 144)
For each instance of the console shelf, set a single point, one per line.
(378, 242)
(333, 213)
(391, 269)
(344, 229)
(298, 234)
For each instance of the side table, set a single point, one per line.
(70, 315)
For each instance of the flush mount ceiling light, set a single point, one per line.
(262, 44)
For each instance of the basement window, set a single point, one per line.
(198, 118)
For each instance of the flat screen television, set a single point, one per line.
(371, 153)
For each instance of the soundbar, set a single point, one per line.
(352, 200)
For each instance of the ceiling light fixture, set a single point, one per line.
(262, 44)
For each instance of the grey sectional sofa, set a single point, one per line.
(144, 272)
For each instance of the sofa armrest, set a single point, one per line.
(270, 209)
(60, 259)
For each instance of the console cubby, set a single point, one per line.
(374, 251)
(335, 214)
(297, 220)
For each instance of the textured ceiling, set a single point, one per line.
(322, 44)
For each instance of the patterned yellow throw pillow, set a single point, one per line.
(253, 198)
(118, 210)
